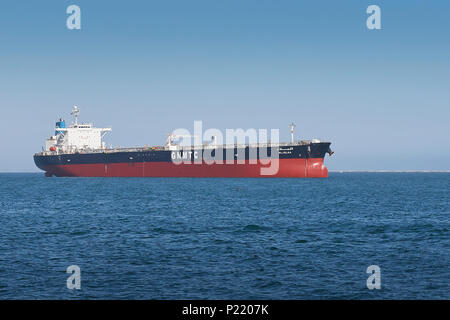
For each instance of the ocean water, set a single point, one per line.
(178, 238)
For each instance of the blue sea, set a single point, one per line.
(182, 238)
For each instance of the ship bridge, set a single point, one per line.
(77, 137)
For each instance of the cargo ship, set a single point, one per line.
(78, 150)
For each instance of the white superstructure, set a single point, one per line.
(77, 137)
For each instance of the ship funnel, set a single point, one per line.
(61, 124)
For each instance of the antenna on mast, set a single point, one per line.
(292, 126)
(75, 113)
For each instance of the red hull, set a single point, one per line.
(288, 168)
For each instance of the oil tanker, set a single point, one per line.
(79, 151)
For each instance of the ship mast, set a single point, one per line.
(75, 113)
(292, 126)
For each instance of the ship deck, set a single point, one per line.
(179, 148)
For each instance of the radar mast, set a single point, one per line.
(292, 126)
(75, 112)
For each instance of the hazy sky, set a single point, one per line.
(382, 97)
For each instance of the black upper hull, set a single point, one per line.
(314, 150)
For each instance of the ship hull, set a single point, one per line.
(291, 162)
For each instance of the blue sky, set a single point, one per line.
(382, 97)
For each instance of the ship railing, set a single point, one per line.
(159, 148)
